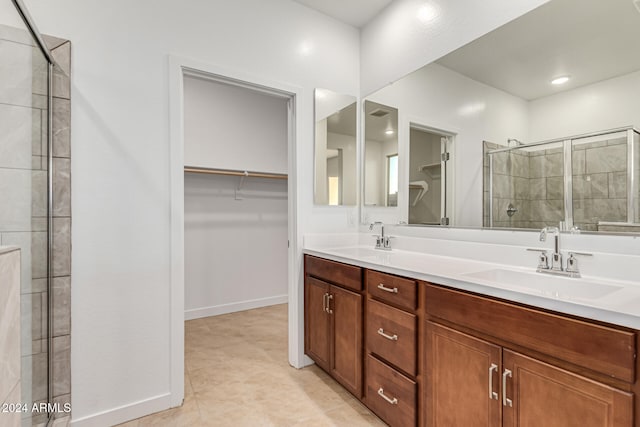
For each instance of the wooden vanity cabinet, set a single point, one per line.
(333, 320)
(391, 343)
(439, 357)
(483, 382)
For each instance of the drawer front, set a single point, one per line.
(394, 290)
(595, 347)
(389, 394)
(345, 275)
(391, 335)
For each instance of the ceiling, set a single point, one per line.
(353, 12)
(590, 40)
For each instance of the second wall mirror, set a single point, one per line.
(335, 149)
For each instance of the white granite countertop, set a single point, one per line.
(612, 301)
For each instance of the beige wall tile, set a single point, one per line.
(9, 323)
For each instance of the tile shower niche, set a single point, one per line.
(588, 182)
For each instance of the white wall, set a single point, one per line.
(120, 173)
(604, 105)
(398, 42)
(231, 127)
(349, 165)
(374, 173)
(235, 250)
(473, 111)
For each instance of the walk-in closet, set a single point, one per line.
(235, 227)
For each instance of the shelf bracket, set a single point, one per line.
(242, 178)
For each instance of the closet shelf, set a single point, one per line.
(229, 172)
(432, 170)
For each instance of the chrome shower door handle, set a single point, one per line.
(492, 394)
(505, 400)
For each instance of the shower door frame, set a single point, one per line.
(632, 179)
(51, 63)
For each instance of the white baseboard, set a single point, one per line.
(125, 413)
(196, 313)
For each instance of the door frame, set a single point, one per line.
(444, 130)
(179, 67)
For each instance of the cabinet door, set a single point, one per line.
(462, 379)
(317, 322)
(346, 314)
(544, 395)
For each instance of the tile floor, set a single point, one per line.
(237, 374)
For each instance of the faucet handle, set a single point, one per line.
(572, 263)
(543, 258)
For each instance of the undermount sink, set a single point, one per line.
(546, 285)
(359, 252)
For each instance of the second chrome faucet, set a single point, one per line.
(382, 242)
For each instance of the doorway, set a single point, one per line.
(430, 174)
(236, 176)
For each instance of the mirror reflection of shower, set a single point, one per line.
(587, 182)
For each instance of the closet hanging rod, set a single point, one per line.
(193, 169)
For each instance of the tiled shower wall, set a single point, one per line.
(61, 286)
(23, 211)
(599, 182)
(533, 182)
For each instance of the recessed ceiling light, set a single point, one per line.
(427, 13)
(560, 80)
(389, 132)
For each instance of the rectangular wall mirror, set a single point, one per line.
(543, 115)
(380, 155)
(335, 149)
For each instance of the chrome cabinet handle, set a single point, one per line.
(324, 302)
(492, 394)
(329, 298)
(505, 400)
(393, 337)
(390, 290)
(393, 401)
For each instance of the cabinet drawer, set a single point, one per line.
(394, 290)
(391, 334)
(345, 275)
(599, 348)
(389, 394)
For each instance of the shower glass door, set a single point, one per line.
(599, 180)
(24, 195)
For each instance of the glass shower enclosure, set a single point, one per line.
(25, 191)
(586, 182)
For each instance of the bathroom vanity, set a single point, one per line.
(445, 353)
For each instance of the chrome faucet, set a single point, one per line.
(556, 257)
(382, 242)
